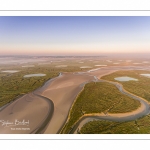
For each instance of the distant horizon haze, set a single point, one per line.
(83, 54)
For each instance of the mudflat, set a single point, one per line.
(25, 115)
(63, 91)
(47, 108)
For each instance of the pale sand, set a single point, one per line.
(30, 108)
(65, 85)
(99, 73)
(62, 91)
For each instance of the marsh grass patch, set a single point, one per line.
(97, 98)
(140, 88)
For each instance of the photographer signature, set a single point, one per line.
(15, 123)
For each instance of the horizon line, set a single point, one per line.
(102, 54)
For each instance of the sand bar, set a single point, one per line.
(26, 115)
(62, 90)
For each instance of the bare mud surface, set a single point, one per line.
(46, 109)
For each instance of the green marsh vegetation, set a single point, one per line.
(139, 126)
(100, 97)
(13, 85)
(140, 88)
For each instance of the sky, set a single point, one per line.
(74, 35)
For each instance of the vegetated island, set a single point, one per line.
(99, 97)
(138, 126)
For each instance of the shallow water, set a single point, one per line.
(34, 75)
(131, 117)
(101, 65)
(85, 67)
(146, 75)
(125, 78)
(10, 71)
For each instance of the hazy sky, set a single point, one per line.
(74, 35)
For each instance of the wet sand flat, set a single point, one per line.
(63, 92)
(100, 73)
(30, 108)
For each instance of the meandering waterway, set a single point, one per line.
(48, 107)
